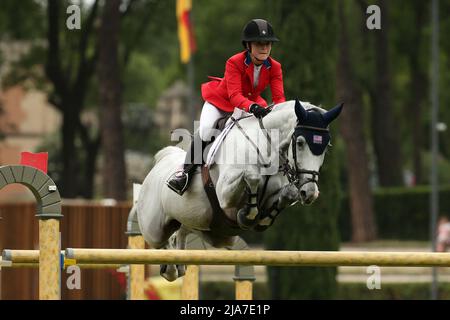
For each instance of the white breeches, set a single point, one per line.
(210, 114)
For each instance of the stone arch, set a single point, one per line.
(48, 212)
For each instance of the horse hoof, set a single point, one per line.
(168, 272)
(244, 222)
(181, 268)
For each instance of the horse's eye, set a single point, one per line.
(301, 142)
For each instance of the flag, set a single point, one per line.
(317, 139)
(185, 30)
(36, 160)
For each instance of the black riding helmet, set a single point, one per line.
(258, 30)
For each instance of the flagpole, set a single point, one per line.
(191, 96)
(434, 199)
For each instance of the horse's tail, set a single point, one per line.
(165, 152)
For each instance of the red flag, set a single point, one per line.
(185, 30)
(36, 160)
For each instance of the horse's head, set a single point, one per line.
(309, 142)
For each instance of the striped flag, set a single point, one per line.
(185, 30)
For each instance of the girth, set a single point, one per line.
(220, 225)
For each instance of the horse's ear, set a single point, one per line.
(332, 114)
(300, 111)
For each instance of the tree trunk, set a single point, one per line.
(70, 174)
(418, 90)
(351, 128)
(113, 169)
(384, 127)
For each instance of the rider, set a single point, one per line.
(247, 74)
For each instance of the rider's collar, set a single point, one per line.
(248, 60)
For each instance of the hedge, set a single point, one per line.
(400, 213)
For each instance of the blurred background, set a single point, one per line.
(99, 85)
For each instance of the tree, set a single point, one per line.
(385, 135)
(30, 15)
(418, 87)
(351, 127)
(410, 32)
(71, 58)
(70, 77)
(113, 169)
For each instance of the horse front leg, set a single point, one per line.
(247, 216)
(288, 196)
(230, 187)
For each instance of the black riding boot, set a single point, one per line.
(179, 181)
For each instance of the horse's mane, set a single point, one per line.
(290, 103)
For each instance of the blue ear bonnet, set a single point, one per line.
(314, 130)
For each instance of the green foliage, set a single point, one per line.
(218, 27)
(400, 213)
(22, 21)
(307, 50)
(140, 76)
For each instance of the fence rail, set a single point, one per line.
(268, 258)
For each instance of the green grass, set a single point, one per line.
(388, 243)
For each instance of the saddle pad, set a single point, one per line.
(237, 114)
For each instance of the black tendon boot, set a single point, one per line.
(180, 180)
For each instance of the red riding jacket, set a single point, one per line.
(235, 89)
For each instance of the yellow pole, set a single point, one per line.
(137, 272)
(49, 260)
(190, 290)
(253, 257)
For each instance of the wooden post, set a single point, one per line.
(136, 277)
(137, 271)
(190, 288)
(49, 260)
(244, 289)
(243, 278)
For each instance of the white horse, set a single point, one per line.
(250, 194)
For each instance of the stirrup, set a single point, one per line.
(183, 189)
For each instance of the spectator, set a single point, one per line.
(443, 234)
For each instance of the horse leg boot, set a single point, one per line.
(247, 216)
(177, 241)
(180, 180)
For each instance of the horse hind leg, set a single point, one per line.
(177, 241)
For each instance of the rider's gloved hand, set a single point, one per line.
(258, 111)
